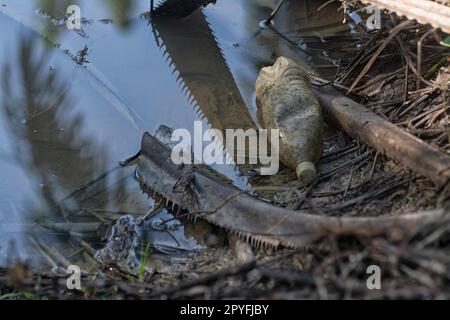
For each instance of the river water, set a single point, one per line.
(67, 120)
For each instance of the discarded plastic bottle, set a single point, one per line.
(286, 102)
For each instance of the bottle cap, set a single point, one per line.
(306, 172)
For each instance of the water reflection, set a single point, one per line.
(48, 17)
(202, 70)
(46, 134)
(57, 151)
(195, 54)
(121, 11)
(64, 127)
(37, 112)
(55, 11)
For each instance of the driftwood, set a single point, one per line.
(358, 121)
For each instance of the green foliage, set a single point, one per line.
(145, 253)
(446, 42)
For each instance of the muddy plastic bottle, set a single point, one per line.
(286, 102)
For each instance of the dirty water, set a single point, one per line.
(67, 119)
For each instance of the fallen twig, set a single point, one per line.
(384, 136)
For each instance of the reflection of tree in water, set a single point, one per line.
(56, 9)
(120, 10)
(48, 142)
